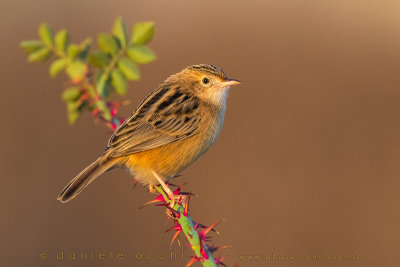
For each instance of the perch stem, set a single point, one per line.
(195, 237)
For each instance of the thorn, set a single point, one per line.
(222, 220)
(175, 214)
(213, 249)
(208, 229)
(218, 261)
(159, 198)
(170, 184)
(203, 253)
(186, 194)
(176, 192)
(193, 260)
(177, 227)
(196, 225)
(207, 239)
(185, 212)
(175, 236)
(170, 216)
(199, 225)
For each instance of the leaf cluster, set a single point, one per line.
(94, 74)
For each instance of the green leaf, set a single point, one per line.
(73, 50)
(141, 54)
(103, 108)
(31, 45)
(73, 112)
(71, 94)
(46, 34)
(142, 32)
(92, 91)
(99, 59)
(107, 43)
(62, 40)
(84, 48)
(57, 66)
(129, 69)
(76, 70)
(119, 31)
(40, 55)
(119, 82)
(102, 83)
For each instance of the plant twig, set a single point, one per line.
(196, 234)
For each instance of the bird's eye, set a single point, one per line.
(205, 80)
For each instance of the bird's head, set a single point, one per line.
(208, 82)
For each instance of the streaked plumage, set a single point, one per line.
(169, 130)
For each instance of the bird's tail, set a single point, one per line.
(85, 177)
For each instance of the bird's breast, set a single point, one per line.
(171, 159)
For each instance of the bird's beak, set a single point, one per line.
(229, 82)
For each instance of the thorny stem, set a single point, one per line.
(186, 225)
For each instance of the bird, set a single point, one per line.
(172, 127)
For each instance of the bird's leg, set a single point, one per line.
(174, 198)
(162, 183)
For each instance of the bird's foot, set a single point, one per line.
(152, 189)
(174, 198)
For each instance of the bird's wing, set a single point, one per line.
(163, 118)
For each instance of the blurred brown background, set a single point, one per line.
(307, 163)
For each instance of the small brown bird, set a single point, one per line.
(171, 128)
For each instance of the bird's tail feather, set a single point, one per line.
(84, 178)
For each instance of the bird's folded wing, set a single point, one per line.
(142, 135)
